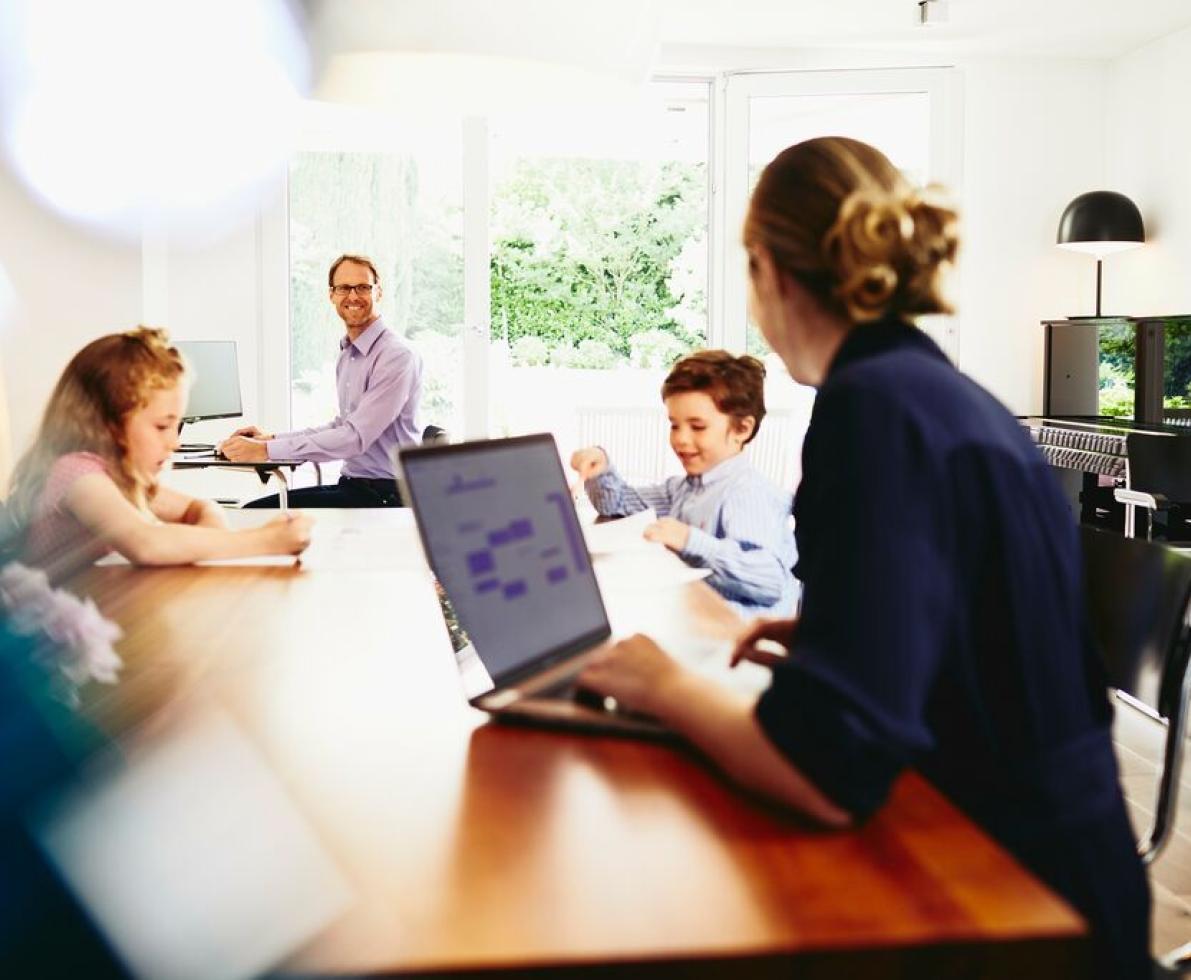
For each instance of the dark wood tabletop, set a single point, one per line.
(475, 846)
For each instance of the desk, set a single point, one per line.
(272, 467)
(479, 847)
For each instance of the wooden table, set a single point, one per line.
(477, 847)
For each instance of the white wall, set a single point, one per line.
(1033, 140)
(69, 287)
(1149, 160)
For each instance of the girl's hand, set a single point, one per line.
(764, 642)
(589, 463)
(666, 530)
(636, 672)
(291, 533)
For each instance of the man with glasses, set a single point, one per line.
(379, 380)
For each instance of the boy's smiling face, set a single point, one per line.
(701, 435)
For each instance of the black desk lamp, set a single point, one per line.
(1100, 223)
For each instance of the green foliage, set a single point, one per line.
(1117, 353)
(589, 354)
(1116, 388)
(656, 349)
(369, 203)
(593, 250)
(1177, 366)
(529, 351)
(440, 358)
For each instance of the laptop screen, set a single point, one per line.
(500, 531)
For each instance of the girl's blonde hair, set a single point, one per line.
(102, 386)
(842, 220)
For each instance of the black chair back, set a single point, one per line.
(1160, 464)
(1138, 595)
(434, 435)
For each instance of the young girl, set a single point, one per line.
(723, 514)
(88, 484)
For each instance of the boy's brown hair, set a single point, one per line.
(735, 384)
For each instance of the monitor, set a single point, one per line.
(214, 379)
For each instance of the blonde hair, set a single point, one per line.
(736, 385)
(836, 215)
(103, 384)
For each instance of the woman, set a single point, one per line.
(942, 623)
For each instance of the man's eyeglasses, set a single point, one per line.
(360, 289)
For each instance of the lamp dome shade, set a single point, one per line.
(1104, 217)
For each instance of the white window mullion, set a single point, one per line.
(735, 203)
(477, 285)
(718, 232)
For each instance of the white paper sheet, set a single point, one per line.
(645, 569)
(620, 535)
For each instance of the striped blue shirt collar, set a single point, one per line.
(721, 471)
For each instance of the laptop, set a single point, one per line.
(500, 532)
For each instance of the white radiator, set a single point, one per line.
(638, 442)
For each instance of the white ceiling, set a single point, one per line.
(1063, 28)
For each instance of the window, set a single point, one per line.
(401, 205)
(594, 242)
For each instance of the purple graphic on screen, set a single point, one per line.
(551, 552)
(488, 585)
(574, 538)
(522, 528)
(556, 574)
(480, 562)
(497, 538)
(460, 485)
(514, 589)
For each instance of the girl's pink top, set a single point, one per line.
(56, 540)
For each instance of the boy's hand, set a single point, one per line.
(666, 530)
(589, 463)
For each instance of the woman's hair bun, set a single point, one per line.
(886, 251)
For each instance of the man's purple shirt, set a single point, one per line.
(379, 380)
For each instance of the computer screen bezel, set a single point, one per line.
(533, 667)
(181, 346)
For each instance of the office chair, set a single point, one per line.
(1158, 477)
(1138, 596)
(434, 435)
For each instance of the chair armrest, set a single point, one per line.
(1138, 498)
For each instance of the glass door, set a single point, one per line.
(905, 113)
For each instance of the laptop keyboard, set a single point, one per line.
(568, 689)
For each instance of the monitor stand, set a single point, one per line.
(193, 447)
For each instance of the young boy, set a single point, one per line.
(723, 514)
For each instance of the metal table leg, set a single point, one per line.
(283, 490)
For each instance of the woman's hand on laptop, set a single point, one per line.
(636, 672)
(765, 642)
